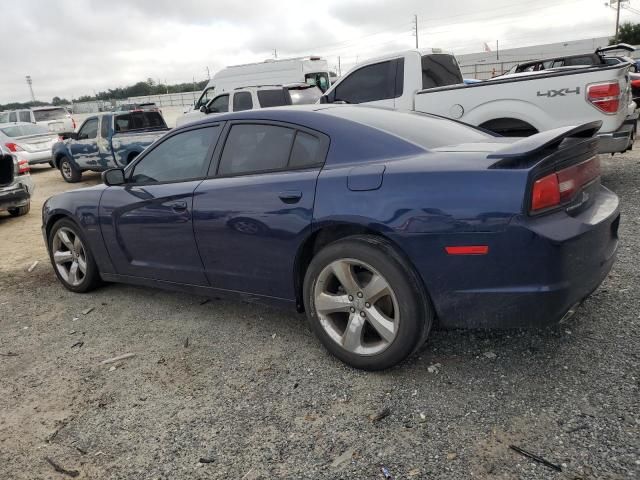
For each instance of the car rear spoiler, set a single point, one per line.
(617, 46)
(526, 148)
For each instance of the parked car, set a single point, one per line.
(515, 105)
(31, 141)
(16, 185)
(598, 57)
(245, 98)
(56, 119)
(378, 224)
(105, 141)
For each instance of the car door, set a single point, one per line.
(84, 148)
(147, 223)
(251, 215)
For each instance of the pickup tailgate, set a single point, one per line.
(545, 100)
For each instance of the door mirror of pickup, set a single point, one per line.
(204, 109)
(71, 135)
(113, 177)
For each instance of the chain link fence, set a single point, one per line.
(183, 99)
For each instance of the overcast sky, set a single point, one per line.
(75, 47)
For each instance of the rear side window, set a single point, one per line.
(439, 70)
(24, 116)
(255, 148)
(49, 114)
(180, 157)
(306, 151)
(242, 101)
(274, 98)
(371, 83)
(138, 121)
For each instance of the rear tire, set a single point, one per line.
(72, 258)
(19, 211)
(69, 173)
(383, 313)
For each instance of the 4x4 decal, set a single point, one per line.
(559, 93)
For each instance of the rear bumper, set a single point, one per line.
(536, 270)
(621, 140)
(34, 158)
(15, 196)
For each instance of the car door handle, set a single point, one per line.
(179, 206)
(290, 196)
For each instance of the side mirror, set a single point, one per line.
(113, 177)
(204, 109)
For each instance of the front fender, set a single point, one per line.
(59, 150)
(81, 206)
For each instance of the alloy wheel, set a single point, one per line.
(65, 168)
(69, 256)
(356, 306)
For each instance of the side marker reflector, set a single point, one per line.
(468, 250)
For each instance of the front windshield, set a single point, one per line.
(319, 79)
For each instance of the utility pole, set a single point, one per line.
(617, 20)
(415, 28)
(497, 51)
(208, 73)
(339, 70)
(275, 53)
(30, 83)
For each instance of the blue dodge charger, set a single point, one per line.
(377, 224)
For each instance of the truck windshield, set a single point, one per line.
(319, 79)
(49, 114)
(439, 70)
(138, 121)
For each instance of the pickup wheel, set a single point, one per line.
(365, 302)
(19, 211)
(68, 171)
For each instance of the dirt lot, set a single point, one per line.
(239, 391)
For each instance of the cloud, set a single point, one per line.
(74, 47)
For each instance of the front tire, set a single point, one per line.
(19, 211)
(72, 258)
(365, 303)
(69, 173)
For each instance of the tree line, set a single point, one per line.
(149, 87)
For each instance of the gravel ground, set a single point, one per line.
(249, 391)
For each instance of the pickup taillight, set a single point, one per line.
(604, 96)
(561, 187)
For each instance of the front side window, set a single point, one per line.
(180, 157)
(255, 148)
(368, 84)
(205, 98)
(242, 101)
(89, 130)
(219, 104)
(24, 116)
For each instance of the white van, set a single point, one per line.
(309, 70)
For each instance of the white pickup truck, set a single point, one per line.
(513, 105)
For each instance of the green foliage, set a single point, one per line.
(627, 33)
(148, 87)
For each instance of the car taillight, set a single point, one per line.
(604, 96)
(13, 147)
(561, 187)
(635, 83)
(23, 167)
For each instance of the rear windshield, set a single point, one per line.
(24, 130)
(424, 130)
(439, 70)
(138, 121)
(305, 95)
(274, 98)
(49, 114)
